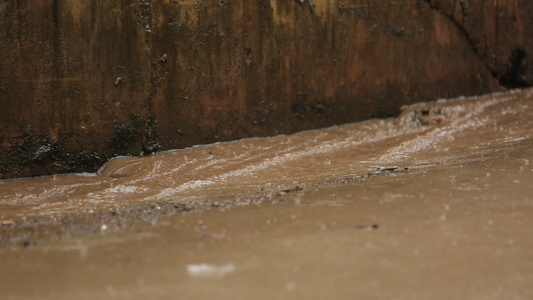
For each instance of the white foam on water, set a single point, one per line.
(208, 270)
(465, 116)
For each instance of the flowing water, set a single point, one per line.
(437, 203)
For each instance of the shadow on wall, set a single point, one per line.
(519, 73)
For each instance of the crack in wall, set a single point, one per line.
(465, 33)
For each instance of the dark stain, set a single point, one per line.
(517, 70)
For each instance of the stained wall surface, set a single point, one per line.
(83, 81)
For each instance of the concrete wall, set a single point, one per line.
(82, 81)
(500, 34)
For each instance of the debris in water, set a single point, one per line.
(289, 191)
(280, 201)
(386, 169)
(27, 244)
(368, 227)
(383, 170)
(207, 270)
(7, 222)
(430, 116)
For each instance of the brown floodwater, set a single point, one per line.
(436, 204)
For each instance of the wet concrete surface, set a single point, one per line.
(447, 215)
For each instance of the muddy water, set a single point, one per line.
(448, 214)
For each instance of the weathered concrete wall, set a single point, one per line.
(500, 33)
(81, 81)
